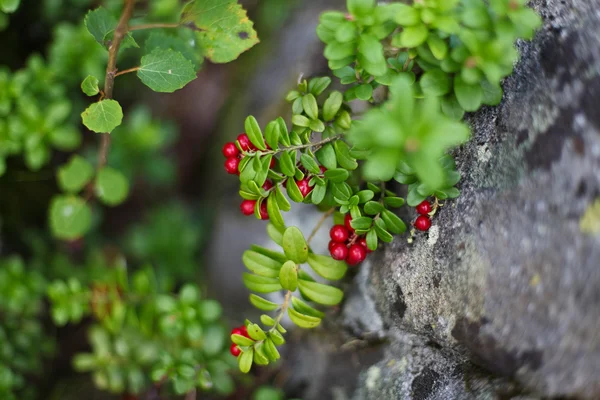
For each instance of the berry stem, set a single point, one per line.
(319, 224)
(283, 309)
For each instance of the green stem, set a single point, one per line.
(300, 146)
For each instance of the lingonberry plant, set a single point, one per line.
(418, 67)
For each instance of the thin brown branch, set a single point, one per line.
(126, 71)
(318, 226)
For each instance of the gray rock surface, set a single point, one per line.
(505, 277)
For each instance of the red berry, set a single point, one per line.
(339, 233)
(331, 244)
(237, 331)
(235, 350)
(424, 207)
(229, 150)
(363, 242)
(231, 165)
(304, 187)
(267, 185)
(347, 220)
(263, 210)
(245, 331)
(323, 169)
(356, 254)
(247, 207)
(272, 163)
(338, 251)
(422, 223)
(244, 141)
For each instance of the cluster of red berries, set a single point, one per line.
(240, 330)
(346, 245)
(423, 222)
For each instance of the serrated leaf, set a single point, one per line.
(262, 304)
(222, 28)
(326, 266)
(103, 116)
(166, 70)
(74, 175)
(320, 293)
(294, 245)
(101, 24)
(303, 321)
(288, 276)
(163, 40)
(70, 217)
(111, 186)
(89, 86)
(261, 264)
(245, 360)
(261, 284)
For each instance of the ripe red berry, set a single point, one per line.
(424, 207)
(235, 350)
(331, 244)
(323, 169)
(244, 331)
(231, 165)
(356, 254)
(272, 163)
(244, 141)
(422, 223)
(339, 233)
(304, 187)
(237, 331)
(263, 210)
(338, 251)
(363, 242)
(229, 150)
(347, 220)
(247, 207)
(267, 185)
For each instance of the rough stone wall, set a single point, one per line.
(505, 278)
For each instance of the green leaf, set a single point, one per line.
(318, 194)
(294, 245)
(381, 232)
(393, 202)
(435, 82)
(222, 28)
(414, 198)
(303, 321)
(364, 196)
(332, 105)
(274, 211)
(364, 91)
(163, 40)
(326, 156)
(469, 96)
(101, 24)
(451, 108)
(362, 223)
(373, 208)
(9, 6)
(406, 15)
(261, 284)
(261, 264)
(320, 293)
(370, 55)
(255, 332)
(317, 86)
(89, 86)
(165, 70)
(288, 276)
(254, 133)
(103, 116)
(393, 222)
(272, 134)
(342, 153)
(287, 163)
(245, 360)
(492, 94)
(276, 234)
(372, 240)
(337, 175)
(283, 203)
(73, 176)
(316, 125)
(284, 136)
(326, 266)
(273, 354)
(262, 304)
(438, 47)
(70, 217)
(413, 36)
(300, 306)
(293, 191)
(309, 104)
(360, 7)
(276, 337)
(111, 186)
(309, 163)
(300, 120)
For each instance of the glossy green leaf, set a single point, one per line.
(261, 264)
(287, 162)
(413, 36)
(337, 175)
(294, 245)
(320, 293)
(111, 186)
(469, 97)
(316, 86)
(326, 266)
(70, 217)
(272, 134)
(262, 304)
(274, 211)
(261, 284)
(166, 70)
(245, 360)
(393, 202)
(393, 223)
(254, 133)
(309, 104)
(342, 153)
(241, 340)
(303, 321)
(326, 156)
(74, 175)
(276, 337)
(255, 332)
(318, 194)
(310, 164)
(103, 116)
(332, 105)
(288, 276)
(89, 86)
(435, 82)
(373, 208)
(101, 24)
(293, 191)
(9, 6)
(301, 306)
(271, 351)
(382, 233)
(316, 125)
(372, 240)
